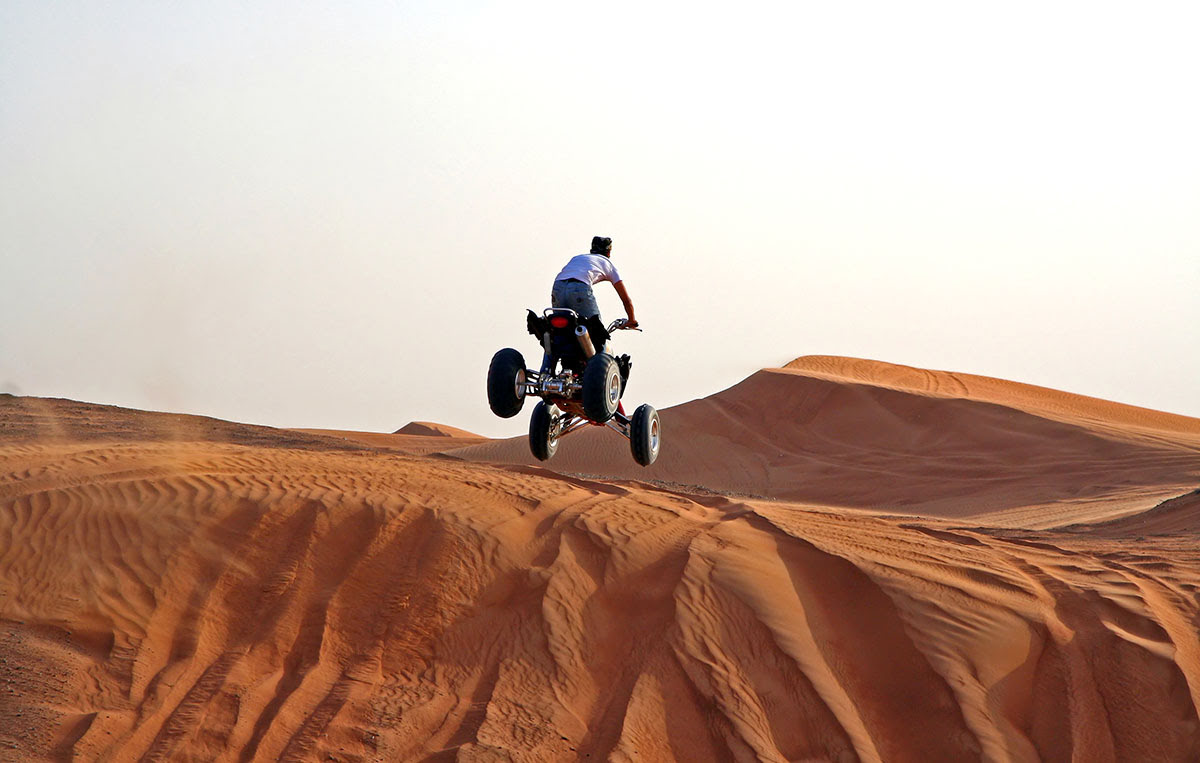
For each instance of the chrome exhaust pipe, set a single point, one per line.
(585, 341)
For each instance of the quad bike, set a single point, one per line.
(577, 385)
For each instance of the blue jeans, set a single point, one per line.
(577, 296)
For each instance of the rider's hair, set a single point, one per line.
(601, 245)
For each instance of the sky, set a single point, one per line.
(304, 214)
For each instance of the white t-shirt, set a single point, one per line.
(591, 269)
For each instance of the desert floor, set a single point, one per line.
(834, 560)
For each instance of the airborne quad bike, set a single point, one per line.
(577, 385)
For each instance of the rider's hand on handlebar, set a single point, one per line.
(630, 324)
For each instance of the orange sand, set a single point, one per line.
(418, 437)
(863, 434)
(912, 571)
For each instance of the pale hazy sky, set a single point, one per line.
(331, 215)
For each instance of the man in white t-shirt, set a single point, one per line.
(573, 286)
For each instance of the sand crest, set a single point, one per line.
(854, 433)
(432, 429)
(179, 588)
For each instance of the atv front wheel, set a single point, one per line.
(506, 383)
(601, 388)
(543, 440)
(645, 435)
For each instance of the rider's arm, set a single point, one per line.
(625, 300)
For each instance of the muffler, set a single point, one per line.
(585, 341)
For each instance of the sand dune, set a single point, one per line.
(1116, 418)
(418, 437)
(432, 429)
(853, 433)
(180, 588)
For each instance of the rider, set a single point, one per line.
(573, 286)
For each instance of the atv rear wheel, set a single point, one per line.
(601, 388)
(506, 383)
(645, 435)
(543, 440)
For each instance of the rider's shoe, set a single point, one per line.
(624, 363)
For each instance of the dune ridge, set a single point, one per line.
(1117, 419)
(433, 429)
(415, 438)
(178, 588)
(868, 436)
(218, 599)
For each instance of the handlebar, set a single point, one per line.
(620, 325)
